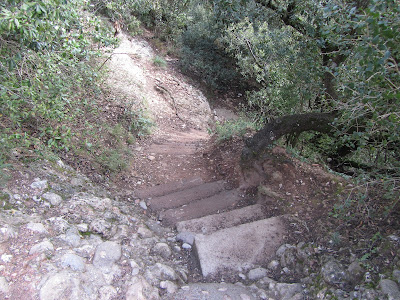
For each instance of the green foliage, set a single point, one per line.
(133, 26)
(301, 56)
(279, 60)
(113, 160)
(166, 18)
(140, 123)
(159, 61)
(311, 147)
(234, 128)
(370, 82)
(202, 55)
(49, 86)
(43, 58)
(5, 201)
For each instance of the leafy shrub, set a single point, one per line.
(113, 160)
(44, 68)
(166, 18)
(234, 128)
(202, 55)
(159, 61)
(49, 86)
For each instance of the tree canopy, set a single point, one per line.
(313, 56)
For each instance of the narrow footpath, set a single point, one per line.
(180, 188)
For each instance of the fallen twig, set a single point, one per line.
(164, 89)
(109, 58)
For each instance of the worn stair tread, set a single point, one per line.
(237, 249)
(206, 206)
(186, 196)
(168, 188)
(173, 148)
(191, 136)
(212, 291)
(212, 223)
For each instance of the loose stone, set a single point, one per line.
(73, 261)
(42, 247)
(53, 198)
(100, 226)
(144, 233)
(72, 237)
(186, 246)
(4, 286)
(288, 290)
(333, 273)
(39, 184)
(169, 286)
(37, 227)
(140, 289)
(160, 272)
(107, 292)
(107, 254)
(257, 274)
(59, 285)
(83, 227)
(135, 267)
(390, 289)
(273, 265)
(185, 237)
(163, 250)
(143, 205)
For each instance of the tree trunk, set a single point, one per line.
(274, 130)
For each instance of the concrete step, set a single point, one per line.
(206, 206)
(234, 250)
(186, 196)
(212, 223)
(168, 188)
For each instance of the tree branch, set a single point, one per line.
(272, 131)
(287, 16)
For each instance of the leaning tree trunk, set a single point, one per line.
(274, 130)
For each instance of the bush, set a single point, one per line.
(234, 128)
(159, 61)
(202, 55)
(50, 88)
(165, 17)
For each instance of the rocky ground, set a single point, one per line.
(62, 236)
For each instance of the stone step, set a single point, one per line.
(168, 188)
(212, 223)
(206, 206)
(212, 291)
(186, 196)
(234, 250)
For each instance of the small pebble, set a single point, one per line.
(186, 246)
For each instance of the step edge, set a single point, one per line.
(180, 226)
(196, 181)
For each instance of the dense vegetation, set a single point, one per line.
(49, 86)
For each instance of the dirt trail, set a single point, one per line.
(181, 114)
